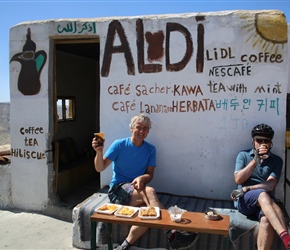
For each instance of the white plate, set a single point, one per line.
(113, 207)
(132, 209)
(149, 217)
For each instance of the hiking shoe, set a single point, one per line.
(181, 239)
(124, 246)
(120, 247)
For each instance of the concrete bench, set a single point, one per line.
(242, 231)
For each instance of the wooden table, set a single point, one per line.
(191, 222)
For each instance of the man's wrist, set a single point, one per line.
(256, 159)
(99, 151)
(246, 189)
(253, 164)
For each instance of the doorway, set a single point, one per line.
(76, 118)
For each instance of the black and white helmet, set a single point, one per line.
(262, 131)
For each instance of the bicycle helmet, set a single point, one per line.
(262, 131)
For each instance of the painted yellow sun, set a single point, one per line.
(266, 30)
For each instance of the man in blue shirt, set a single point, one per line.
(133, 161)
(257, 173)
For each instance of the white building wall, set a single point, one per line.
(29, 118)
(287, 165)
(196, 150)
(199, 124)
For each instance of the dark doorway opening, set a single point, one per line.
(76, 119)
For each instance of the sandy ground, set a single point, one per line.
(22, 230)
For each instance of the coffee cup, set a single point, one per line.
(265, 155)
(99, 138)
(176, 213)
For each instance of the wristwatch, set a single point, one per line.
(248, 188)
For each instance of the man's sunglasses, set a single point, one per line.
(263, 141)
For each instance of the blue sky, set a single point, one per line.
(13, 12)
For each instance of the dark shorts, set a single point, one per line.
(247, 203)
(121, 193)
